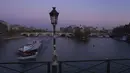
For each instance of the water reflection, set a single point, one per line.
(69, 49)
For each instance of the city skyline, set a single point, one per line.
(101, 13)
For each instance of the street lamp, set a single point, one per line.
(54, 18)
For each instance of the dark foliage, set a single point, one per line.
(3, 27)
(121, 30)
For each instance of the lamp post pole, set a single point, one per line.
(54, 58)
(54, 17)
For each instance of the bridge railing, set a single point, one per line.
(80, 66)
(25, 67)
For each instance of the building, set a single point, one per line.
(15, 27)
(62, 29)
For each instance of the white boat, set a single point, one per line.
(29, 50)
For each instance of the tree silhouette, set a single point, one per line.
(121, 30)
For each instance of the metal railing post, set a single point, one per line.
(108, 66)
(48, 68)
(60, 67)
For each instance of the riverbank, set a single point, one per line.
(13, 37)
(123, 39)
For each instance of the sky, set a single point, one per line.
(101, 13)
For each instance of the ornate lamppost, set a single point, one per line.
(54, 18)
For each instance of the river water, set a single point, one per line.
(68, 49)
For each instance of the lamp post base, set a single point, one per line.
(54, 69)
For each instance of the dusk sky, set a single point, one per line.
(102, 13)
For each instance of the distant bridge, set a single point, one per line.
(100, 35)
(43, 33)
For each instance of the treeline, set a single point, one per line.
(121, 30)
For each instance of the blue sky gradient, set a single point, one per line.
(102, 13)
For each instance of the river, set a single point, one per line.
(68, 49)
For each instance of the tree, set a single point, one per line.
(77, 32)
(81, 33)
(3, 27)
(121, 30)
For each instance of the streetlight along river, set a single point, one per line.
(54, 17)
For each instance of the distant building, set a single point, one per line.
(66, 29)
(70, 29)
(15, 27)
(62, 29)
(109, 31)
